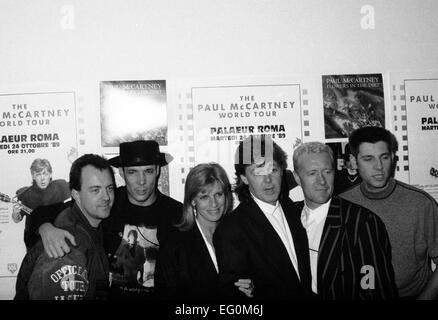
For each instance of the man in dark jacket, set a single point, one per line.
(350, 252)
(262, 239)
(83, 272)
(138, 206)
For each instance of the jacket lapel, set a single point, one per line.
(203, 259)
(330, 246)
(270, 242)
(292, 213)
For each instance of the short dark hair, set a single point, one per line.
(372, 135)
(94, 160)
(245, 154)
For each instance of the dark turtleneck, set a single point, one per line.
(381, 193)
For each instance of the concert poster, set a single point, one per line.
(421, 96)
(133, 110)
(225, 115)
(33, 126)
(351, 102)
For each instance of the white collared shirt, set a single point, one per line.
(209, 247)
(276, 217)
(314, 228)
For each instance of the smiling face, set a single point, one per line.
(315, 174)
(374, 162)
(42, 178)
(263, 185)
(96, 196)
(141, 182)
(210, 204)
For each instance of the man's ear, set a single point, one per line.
(75, 196)
(122, 173)
(297, 178)
(353, 161)
(244, 179)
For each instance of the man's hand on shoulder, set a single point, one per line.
(54, 240)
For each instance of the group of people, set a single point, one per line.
(374, 241)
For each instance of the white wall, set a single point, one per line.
(156, 39)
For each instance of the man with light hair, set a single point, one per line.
(350, 253)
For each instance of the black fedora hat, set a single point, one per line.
(140, 153)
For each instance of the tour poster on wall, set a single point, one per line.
(350, 102)
(35, 128)
(225, 115)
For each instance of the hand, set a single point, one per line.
(246, 286)
(54, 240)
(16, 213)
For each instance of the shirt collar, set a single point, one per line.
(319, 213)
(264, 206)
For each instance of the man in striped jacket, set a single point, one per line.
(350, 252)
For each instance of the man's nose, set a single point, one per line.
(379, 164)
(267, 178)
(142, 178)
(321, 178)
(106, 195)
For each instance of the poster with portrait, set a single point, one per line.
(133, 110)
(346, 173)
(421, 96)
(33, 126)
(225, 115)
(350, 102)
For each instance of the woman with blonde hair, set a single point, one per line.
(187, 266)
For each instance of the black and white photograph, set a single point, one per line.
(218, 159)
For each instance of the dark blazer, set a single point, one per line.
(247, 246)
(354, 238)
(184, 268)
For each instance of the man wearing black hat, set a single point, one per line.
(139, 206)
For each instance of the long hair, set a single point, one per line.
(198, 179)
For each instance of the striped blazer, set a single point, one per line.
(354, 256)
